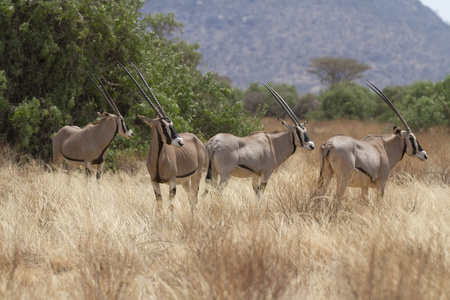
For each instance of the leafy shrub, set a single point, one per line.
(46, 46)
(257, 99)
(305, 105)
(345, 99)
(442, 98)
(421, 104)
(32, 124)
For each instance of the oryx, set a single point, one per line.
(88, 146)
(256, 155)
(172, 158)
(367, 162)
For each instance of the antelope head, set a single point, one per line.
(298, 130)
(122, 128)
(165, 130)
(412, 146)
(162, 124)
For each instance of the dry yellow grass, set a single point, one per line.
(74, 238)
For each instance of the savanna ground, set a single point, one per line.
(74, 238)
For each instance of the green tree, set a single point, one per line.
(46, 45)
(419, 104)
(346, 100)
(442, 96)
(332, 70)
(258, 98)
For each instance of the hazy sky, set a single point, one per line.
(441, 7)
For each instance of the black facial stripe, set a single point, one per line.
(413, 144)
(124, 127)
(420, 147)
(173, 133)
(306, 138)
(299, 136)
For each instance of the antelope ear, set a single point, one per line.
(146, 120)
(397, 131)
(283, 122)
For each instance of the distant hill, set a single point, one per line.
(251, 40)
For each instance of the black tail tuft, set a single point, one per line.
(208, 175)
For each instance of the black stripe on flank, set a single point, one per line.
(100, 159)
(72, 159)
(188, 174)
(365, 173)
(247, 168)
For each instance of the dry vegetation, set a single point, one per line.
(75, 238)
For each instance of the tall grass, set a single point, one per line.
(73, 238)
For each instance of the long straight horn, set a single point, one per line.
(383, 96)
(160, 115)
(284, 105)
(110, 102)
(150, 90)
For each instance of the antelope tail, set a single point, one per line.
(208, 174)
(324, 151)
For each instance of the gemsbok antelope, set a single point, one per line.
(88, 146)
(172, 158)
(256, 155)
(367, 162)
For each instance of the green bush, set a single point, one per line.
(347, 100)
(421, 104)
(258, 99)
(46, 46)
(442, 98)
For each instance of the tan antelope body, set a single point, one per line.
(173, 158)
(367, 162)
(257, 155)
(88, 146)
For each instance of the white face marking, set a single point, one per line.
(129, 133)
(309, 145)
(178, 142)
(422, 155)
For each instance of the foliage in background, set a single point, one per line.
(442, 95)
(345, 100)
(45, 46)
(4, 104)
(422, 104)
(258, 99)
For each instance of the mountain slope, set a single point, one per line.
(251, 40)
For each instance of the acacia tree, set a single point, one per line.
(332, 70)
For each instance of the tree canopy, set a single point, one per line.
(46, 46)
(332, 70)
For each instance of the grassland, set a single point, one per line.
(73, 238)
